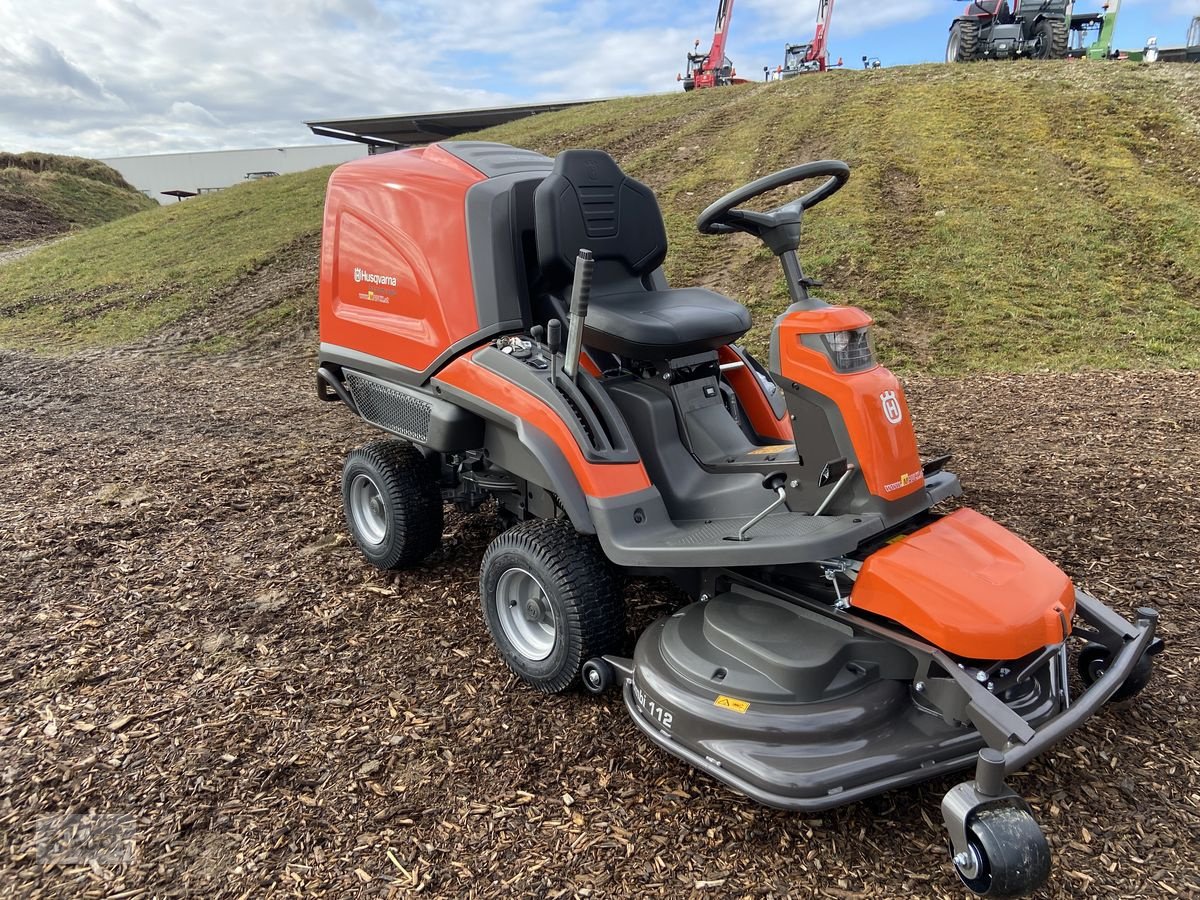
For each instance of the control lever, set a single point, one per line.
(581, 292)
(773, 482)
(841, 482)
(554, 343)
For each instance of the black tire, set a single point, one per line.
(571, 609)
(597, 676)
(393, 503)
(963, 45)
(1009, 854)
(1094, 660)
(1050, 39)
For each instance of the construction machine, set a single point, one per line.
(814, 55)
(1100, 27)
(994, 29)
(713, 68)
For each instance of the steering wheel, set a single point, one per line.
(779, 228)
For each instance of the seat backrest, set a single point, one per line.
(588, 202)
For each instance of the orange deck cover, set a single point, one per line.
(969, 586)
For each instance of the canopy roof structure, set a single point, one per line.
(387, 132)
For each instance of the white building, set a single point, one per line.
(211, 170)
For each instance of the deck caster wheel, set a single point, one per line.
(551, 602)
(1006, 856)
(597, 676)
(1093, 662)
(393, 503)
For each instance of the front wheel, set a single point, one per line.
(1007, 854)
(1050, 38)
(963, 45)
(551, 602)
(1094, 660)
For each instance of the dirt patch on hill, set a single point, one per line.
(191, 645)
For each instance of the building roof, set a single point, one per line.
(425, 128)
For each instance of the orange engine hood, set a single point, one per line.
(969, 586)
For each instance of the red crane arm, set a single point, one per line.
(716, 53)
(821, 38)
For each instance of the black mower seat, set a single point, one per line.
(588, 202)
(653, 325)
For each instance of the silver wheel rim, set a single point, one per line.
(969, 864)
(952, 48)
(525, 614)
(368, 510)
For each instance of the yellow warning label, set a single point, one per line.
(774, 448)
(738, 706)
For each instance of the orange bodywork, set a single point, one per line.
(395, 273)
(871, 402)
(970, 587)
(754, 401)
(596, 479)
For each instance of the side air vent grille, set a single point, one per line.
(599, 210)
(389, 408)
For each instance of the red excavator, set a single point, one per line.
(811, 57)
(712, 69)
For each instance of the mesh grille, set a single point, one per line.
(390, 408)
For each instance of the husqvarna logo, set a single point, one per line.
(891, 407)
(361, 275)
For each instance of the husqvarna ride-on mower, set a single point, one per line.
(506, 317)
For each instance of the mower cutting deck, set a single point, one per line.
(506, 318)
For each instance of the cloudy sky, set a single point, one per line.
(120, 77)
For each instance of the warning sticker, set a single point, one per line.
(738, 706)
(774, 448)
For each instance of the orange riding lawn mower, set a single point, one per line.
(505, 317)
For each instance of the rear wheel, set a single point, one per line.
(963, 45)
(1007, 854)
(1050, 37)
(393, 503)
(551, 601)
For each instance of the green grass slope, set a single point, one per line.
(999, 217)
(42, 195)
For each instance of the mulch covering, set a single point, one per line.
(191, 643)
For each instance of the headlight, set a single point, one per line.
(849, 351)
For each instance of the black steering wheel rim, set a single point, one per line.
(714, 219)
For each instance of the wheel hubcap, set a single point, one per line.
(525, 614)
(367, 509)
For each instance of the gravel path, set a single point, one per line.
(15, 253)
(190, 642)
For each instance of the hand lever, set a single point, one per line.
(581, 292)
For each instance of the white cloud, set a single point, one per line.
(116, 77)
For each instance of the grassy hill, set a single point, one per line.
(42, 195)
(999, 217)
